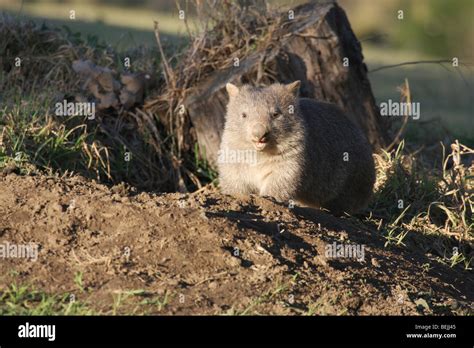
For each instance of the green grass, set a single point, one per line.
(25, 300)
(202, 166)
(31, 136)
(158, 302)
(424, 207)
(139, 302)
(273, 295)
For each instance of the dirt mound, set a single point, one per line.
(207, 253)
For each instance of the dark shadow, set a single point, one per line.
(280, 234)
(390, 260)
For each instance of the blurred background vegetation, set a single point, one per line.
(430, 30)
(432, 27)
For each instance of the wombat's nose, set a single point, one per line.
(259, 133)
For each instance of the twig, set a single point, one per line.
(405, 93)
(372, 37)
(169, 76)
(410, 63)
(214, 277)
(203, 188)
(311, 36)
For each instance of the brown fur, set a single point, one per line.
(300, 155)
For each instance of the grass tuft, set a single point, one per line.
(417, 205)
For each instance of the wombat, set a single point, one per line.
(294, 149)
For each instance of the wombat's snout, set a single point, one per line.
(259, 132)
(259, 136)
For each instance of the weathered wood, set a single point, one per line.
(312, 48)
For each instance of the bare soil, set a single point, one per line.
(208, 253)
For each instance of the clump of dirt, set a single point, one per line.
(209, 253)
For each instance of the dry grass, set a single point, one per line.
(29, 129)
(46, 56)
(457, 188)
(418, 205)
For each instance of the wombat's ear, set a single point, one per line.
(294, 87)
(233, 90)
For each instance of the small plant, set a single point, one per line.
(457, 189)
(78, 281)
(25, 300)
(158, 302)
(202, 165)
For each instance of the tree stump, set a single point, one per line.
(317, 47)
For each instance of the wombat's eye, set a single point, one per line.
(276, 113)
(244, 115)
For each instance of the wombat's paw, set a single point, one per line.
(275, 192)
